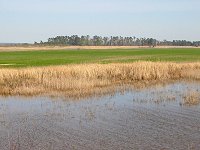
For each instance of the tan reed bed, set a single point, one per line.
(191, 98)
(86, 79)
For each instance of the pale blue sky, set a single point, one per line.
(35, 20)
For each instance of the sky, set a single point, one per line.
(35, 20)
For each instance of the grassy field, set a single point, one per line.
(92, 70)
(61, 57)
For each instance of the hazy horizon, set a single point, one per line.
(28, 21)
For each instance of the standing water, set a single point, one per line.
(152, 118)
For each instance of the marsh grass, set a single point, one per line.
(88, 79)
(192, 98)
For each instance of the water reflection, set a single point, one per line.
(132, 119)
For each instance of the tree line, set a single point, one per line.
(76, 40)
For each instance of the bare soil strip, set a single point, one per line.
(33, 48)
(7, 64)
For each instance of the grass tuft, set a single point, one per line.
(192, 98)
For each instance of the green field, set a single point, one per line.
(60, 57)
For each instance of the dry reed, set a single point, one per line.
(192, 98)
(73, 80)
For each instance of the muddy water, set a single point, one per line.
(152, 118)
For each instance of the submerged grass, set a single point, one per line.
(192, 98)
(86, 79)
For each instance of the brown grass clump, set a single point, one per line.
(73, 80)
(192, 98)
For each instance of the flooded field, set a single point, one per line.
(160, 117)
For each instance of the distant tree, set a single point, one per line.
(113, 41)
